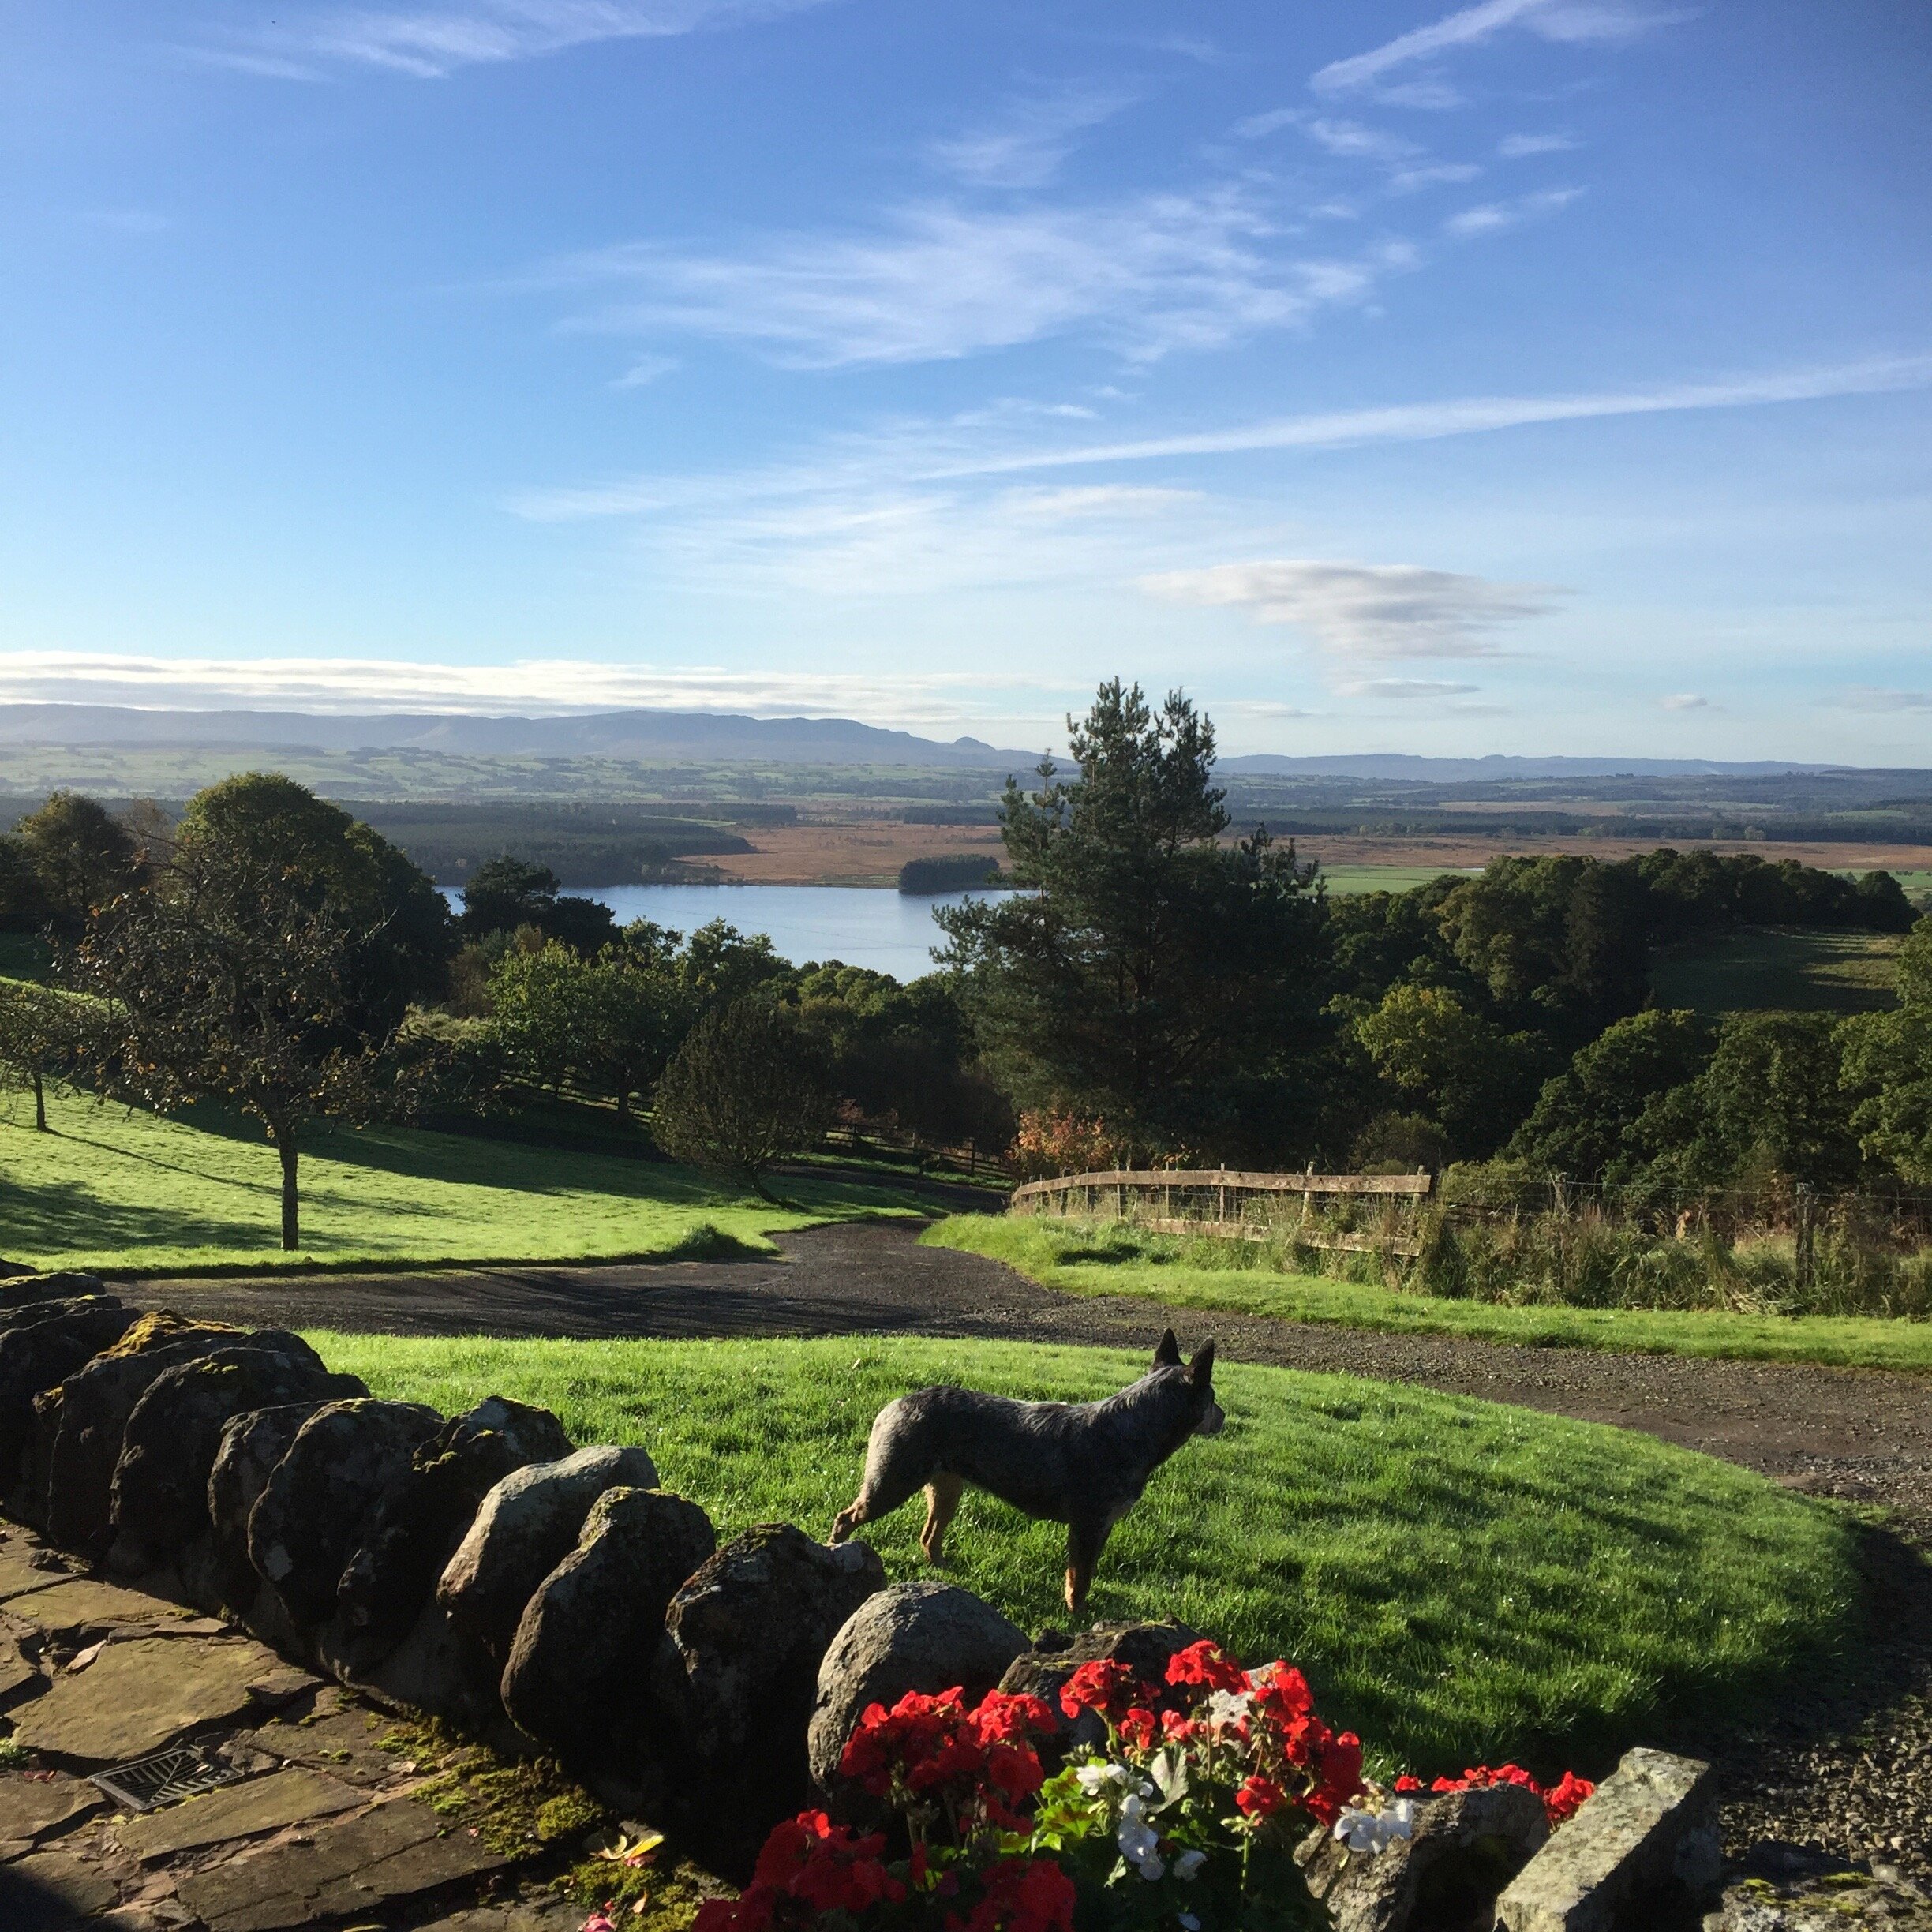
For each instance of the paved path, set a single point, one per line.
(1862, 1435)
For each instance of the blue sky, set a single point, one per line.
(1539, 375)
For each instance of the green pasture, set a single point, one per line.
(114, 1188)
(1781, 968)
(1344, 881)
(1460, 1581)
(1079, 1260)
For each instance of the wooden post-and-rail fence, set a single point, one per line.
(1146, 1197)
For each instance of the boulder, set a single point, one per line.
(320, 1500)
(523, 1528)
(252, 1444)
(424, 1516)
(747, 1633)
(20, 1285)
(1466, 1846)
(922, 1636)
(1043, 1671)
(38, 1354)
(79, 1427)
(1644, 1847)
(159, 1499)
(579, 1676)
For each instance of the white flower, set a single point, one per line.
(1186, 1866)
(1140, 1844)
(1376, 1831)
(1096, 1776)
(1188, 1922)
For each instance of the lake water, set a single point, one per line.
(888, 931)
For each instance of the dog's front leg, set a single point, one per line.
(1085, 1540)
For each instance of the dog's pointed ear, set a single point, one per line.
(1168, 1354)
(1201, 1370)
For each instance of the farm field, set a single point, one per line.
(116, 1189)
(1459, 1580)
(1811, 972)
(1069, 1259)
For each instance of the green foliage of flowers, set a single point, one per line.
(1461, 1581)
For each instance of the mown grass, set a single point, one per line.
(116, 1189)
(1086, 1261)
(1775, 968)
(1460, 1580)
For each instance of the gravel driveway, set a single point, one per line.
(1850, 1781)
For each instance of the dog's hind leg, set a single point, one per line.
(942, 1499)
(1085, 1540)
(894, 1468)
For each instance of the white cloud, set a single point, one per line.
(936, 281)
(1684, 701)
(1024, 146)
(1406, 690)
(1868, 698)
(1574, 21)
(645, 371)
(1496, 215)
(1352, 139)
(1518, 147)
(1256, 127)
(1405, 181)
(1363, 610)
(539, 686)
(430, 42)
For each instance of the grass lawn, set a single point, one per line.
(1775, 968)
(112, 1189)
(1069, 1259)
(1460, 1581)
(1346, 880)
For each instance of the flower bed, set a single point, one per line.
(1187, 1816)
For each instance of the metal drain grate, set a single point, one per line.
(149, 1782)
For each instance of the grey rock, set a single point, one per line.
(424, 1514)
(159, 1501)
(31, 1809)
(1647, 1839)
(244, 1810)
(251, 1444)
(20, 1285)
(78, 1427)
(738, 1676)
(1042, 1672)
(320, 1500)
(921, 1636)
(37, 1355)
(577, 1678)
(1838, 1901)
(523, 1528)
(1465, 1847)
(53, 1892)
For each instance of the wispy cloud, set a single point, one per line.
(1353, 141)
(543, 686)
(1404, 690)
(1493, 216)
(936, 281)
(1519, 147)
(1024, 145)
(1684, 701)
(1405, 181)
(645, 371)
(430, 42)
(1364, 610)
(1568, 21)
(1870, 697)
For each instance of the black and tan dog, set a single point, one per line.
(1082, 1464)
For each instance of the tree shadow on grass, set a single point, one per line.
(62, 1217)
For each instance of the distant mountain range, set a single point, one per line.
(712, 737)
(701, 737)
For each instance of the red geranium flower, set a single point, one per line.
(1106, 1685)
(1206, 1664)
(1259, 1798)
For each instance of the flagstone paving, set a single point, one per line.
(338, 1819)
